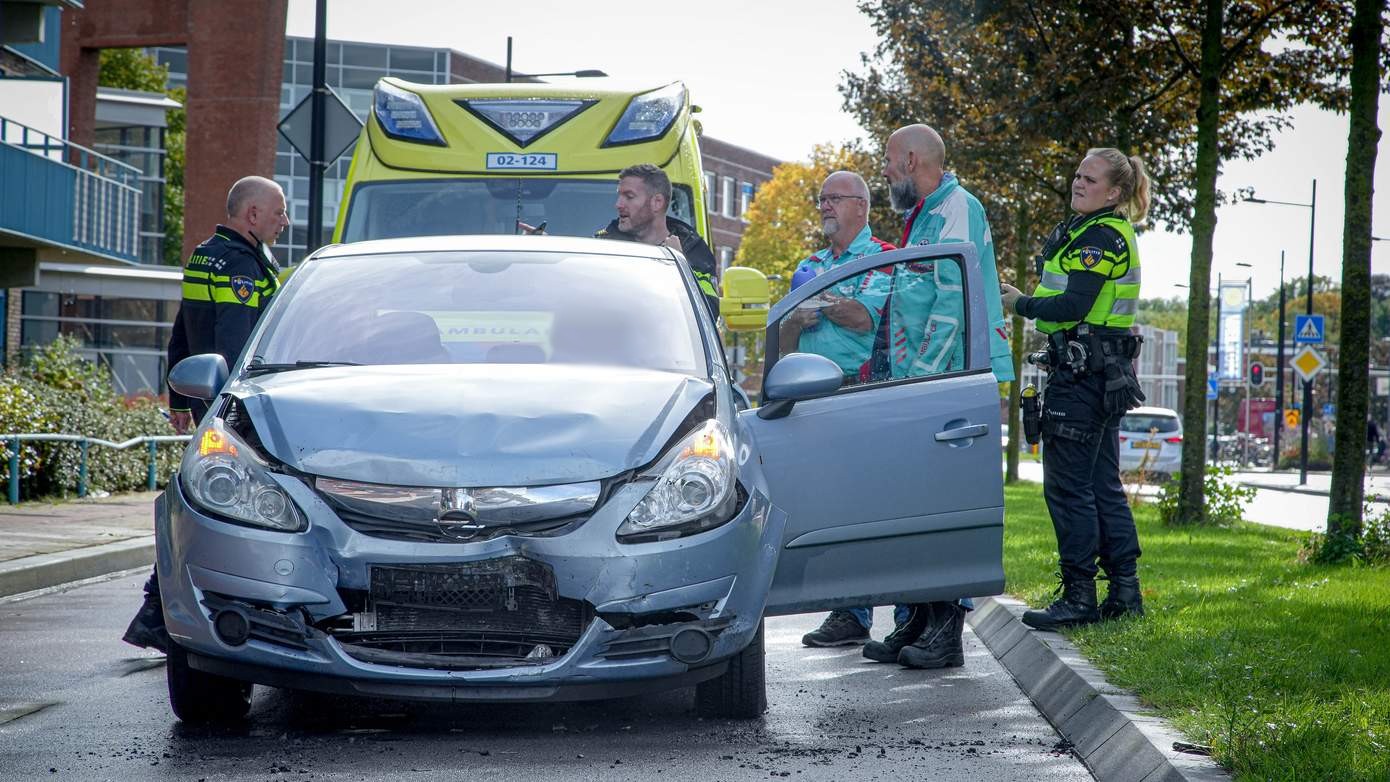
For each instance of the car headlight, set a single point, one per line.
(648, 115)
(693, 489)
(222, 474)
(402, 115)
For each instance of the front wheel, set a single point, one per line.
(198, 697)
(741, 691)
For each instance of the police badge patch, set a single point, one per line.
(1090, 256)
(242, 288)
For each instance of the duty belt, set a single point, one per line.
(1084, 350)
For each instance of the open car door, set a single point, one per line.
(892, 485)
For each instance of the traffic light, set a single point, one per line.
(1257, 374)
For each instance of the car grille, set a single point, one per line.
(490, 613)
(430, 532)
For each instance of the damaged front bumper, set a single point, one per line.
(514, 618)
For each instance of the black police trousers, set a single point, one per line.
(1081, 478)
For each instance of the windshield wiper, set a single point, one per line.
(259, 368)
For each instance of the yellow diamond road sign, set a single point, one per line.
(1308, 362)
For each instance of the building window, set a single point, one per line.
(711, 191)
(128, 336)
(745, 198)
(726, 258)
(726, 196)
(141, 146)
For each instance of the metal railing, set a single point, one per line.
(81, 198)
(151, 443)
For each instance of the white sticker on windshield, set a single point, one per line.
(524, 161)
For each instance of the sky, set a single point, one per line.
(766, 75)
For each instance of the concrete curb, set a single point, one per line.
(47, 570)
(1289, 489)
(1108, 728)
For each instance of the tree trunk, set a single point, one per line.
(1191, 503)
(1021, 248)
(1353, 380)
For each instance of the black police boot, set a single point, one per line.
(939, 646)
(146, 630)
(1123, 597)
(886, 651)
(1076, 607)
(838, 629)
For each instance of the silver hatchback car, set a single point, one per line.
(515, 469)
(1151, 442)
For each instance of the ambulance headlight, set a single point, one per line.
(221, 475)
(692, 489)
(402, 115)
(648, 116)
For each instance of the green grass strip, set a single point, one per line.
(1283, 668)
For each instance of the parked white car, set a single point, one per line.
(1151, 442)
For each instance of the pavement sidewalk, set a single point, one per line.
(43, 544)
(1279, 500)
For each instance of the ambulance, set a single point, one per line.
(478, 158)
(450, 159)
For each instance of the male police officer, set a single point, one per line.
(226, 285)
(927, 338)
(644, 195)
(843, 330)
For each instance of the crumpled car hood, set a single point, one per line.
(468, 425)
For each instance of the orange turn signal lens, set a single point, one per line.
(214, 442)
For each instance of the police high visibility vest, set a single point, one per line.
(1118, 300)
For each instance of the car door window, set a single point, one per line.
(895, 322)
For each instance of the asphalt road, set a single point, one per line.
(76, 703)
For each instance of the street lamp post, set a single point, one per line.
(1216, 372)
(1245, 370)
(1312, 207)
(587, 73)
(1279, 372)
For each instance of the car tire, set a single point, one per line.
(741, 691)
(201, 698)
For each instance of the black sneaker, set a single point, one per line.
(838, 629)
(886, 651)
(940, 644)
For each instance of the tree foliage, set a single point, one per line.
(132, 69)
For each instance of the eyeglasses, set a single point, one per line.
(834, 199)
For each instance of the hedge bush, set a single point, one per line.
(59, 392)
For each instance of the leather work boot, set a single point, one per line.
(147, 628)
(1076, 607)
(886, 651)
(940, 645)
(838, 629)
(1122, 598)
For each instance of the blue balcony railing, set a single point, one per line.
(56, 192)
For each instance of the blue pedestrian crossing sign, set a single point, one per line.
(1308, 330)
(1211, 388)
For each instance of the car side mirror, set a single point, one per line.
(798, 376)
(745, 301)
(200, 376)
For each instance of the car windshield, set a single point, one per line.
(446, 207)
(487, 307)
(1141, 422)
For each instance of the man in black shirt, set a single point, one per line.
(227, 283)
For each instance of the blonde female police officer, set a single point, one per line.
(1085, 303)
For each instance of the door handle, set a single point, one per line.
(977, 430)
